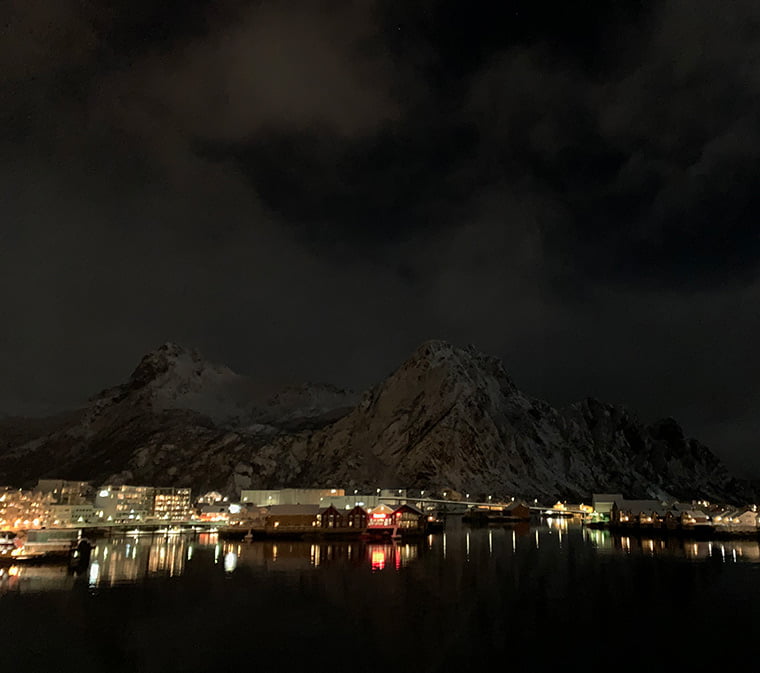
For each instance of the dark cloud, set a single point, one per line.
(308, 190)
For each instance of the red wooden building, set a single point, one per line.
(330, 517)
(356, 518)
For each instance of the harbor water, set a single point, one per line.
(527, 597)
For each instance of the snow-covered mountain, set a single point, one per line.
(453, 418)
(178, 420)
(173, 378)
(448, 418)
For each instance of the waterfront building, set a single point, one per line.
(517, 510)
(22, 509)
(557, 509)
(404, 519)
(70, 515)
(330, 517)
(291, 516)
(172, 503)
(632, 512)
(65, 492)
(348, 502)
(511, 512)
(216, 512)
(380, 516)
(408, 517)
(356, 518)
(671, 520)
(289, 496)
(602, 504)
(124, 503)
(743, 520)
(260, 497)
(584, 509)
(694, 517)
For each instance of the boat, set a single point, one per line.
(52, 545)
(592, 521)
(434, 524)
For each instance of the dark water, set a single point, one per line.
(531, 598)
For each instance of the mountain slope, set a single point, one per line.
(448, 418)
(452, 418)
(178, 420)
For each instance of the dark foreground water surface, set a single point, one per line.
(484, 599)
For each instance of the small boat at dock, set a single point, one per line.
(53, 545)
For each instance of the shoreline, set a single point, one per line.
(694, 533)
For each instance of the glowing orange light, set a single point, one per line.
(378, 560)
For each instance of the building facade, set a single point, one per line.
(71, 515)
(290, 496)
(65, 492)
(124, 503)
(172, 503)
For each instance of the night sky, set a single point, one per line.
(308, 190)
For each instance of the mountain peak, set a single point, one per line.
(447, 417)
(430, 346)
(159, 361)
(436, 353)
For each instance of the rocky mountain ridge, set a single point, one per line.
(446, 418)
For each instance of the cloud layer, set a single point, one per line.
(308, 190)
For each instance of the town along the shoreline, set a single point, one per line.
(312, 521)
(655, 518)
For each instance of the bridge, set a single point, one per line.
(466, 504)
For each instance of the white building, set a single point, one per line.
(71, 515)
(65, 492)
(350, 501)
(261, 497)
(288, 496)
(737, 521)
(124, 503)
(602, 504)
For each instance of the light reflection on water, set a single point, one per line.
(132, 559)
(728, 551)
(460, 600)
